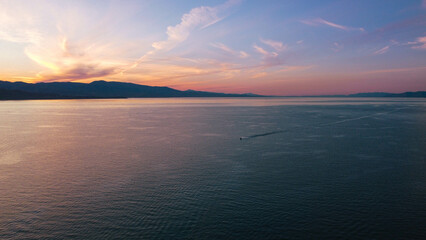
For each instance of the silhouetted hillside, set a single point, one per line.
(7, 94)
(96, 89)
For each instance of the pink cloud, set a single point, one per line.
(420, 43)
(223, 47)
(320, 21)
(78, 72)
(260, 50)
(278, 46)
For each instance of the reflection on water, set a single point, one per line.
(176, 168)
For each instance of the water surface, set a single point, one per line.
(177, 169)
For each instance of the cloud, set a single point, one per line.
(50, 40)
(70, 61)
(259, 75)
(395, 70)
(420, 43)
(399, 29)
(78, 72)
(295, 68)
(70, 66)
(337, 47)
(278, 46)
(261, 50)
(20, 36)
(153, 70)
(387, 48)
(269, 59)
(240, 54)
(382, 50)
(260, 72)
(20, 29)
(60, 44)
(320, 21)
(197, 18)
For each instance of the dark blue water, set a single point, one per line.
(177, 169)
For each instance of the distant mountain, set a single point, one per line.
(96, 89)
(419, 94)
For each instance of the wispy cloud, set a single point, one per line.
(395, 70)
(337, 47)
(420, 43)
(197, 18)
(69, 62)
(320, 21)
(152, 71)
(278, 46)
(21, 35)
(49, 45)
(22, 29)
(295, 68)
(240, 54)
(66, 56)
(385, 49)
(382, 50)
(78, 72)
(200, 18)
(397, 29)
(261, 72)
(261, 50)
(269, 59)
(259, 75)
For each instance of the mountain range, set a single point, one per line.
(96, 89)
(104, 89)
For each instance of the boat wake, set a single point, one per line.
(324, 124)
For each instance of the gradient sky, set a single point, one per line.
(280, 47)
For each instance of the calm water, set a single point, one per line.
(177, 169)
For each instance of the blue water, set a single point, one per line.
(305, 168)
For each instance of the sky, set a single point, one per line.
(274, 47)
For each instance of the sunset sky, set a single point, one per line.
(280, 47)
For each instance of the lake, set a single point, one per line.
(213, 168)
